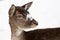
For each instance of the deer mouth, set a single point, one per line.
(34, 23)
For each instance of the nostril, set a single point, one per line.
(35, 22)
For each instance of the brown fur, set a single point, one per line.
(18, 21)
(43, 34)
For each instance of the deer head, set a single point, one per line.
(19, 17)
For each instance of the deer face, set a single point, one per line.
(19, 16)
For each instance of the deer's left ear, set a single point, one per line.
(12, 10)
(26, 6)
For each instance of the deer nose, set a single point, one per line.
(34, 21)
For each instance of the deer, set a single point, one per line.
(19, 20)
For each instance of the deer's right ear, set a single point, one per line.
(27, 6)
(12, 10)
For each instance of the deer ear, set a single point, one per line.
(26, 6)
(12, 10)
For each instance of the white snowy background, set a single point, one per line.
(46, 12)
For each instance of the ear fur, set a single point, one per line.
(26, 6)
(12, 10)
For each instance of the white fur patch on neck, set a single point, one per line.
(18, 31)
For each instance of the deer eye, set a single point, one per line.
(19, 16)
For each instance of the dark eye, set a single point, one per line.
(19, 16)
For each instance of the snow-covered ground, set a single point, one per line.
(46, 12)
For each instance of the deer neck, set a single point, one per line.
(17, 34)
